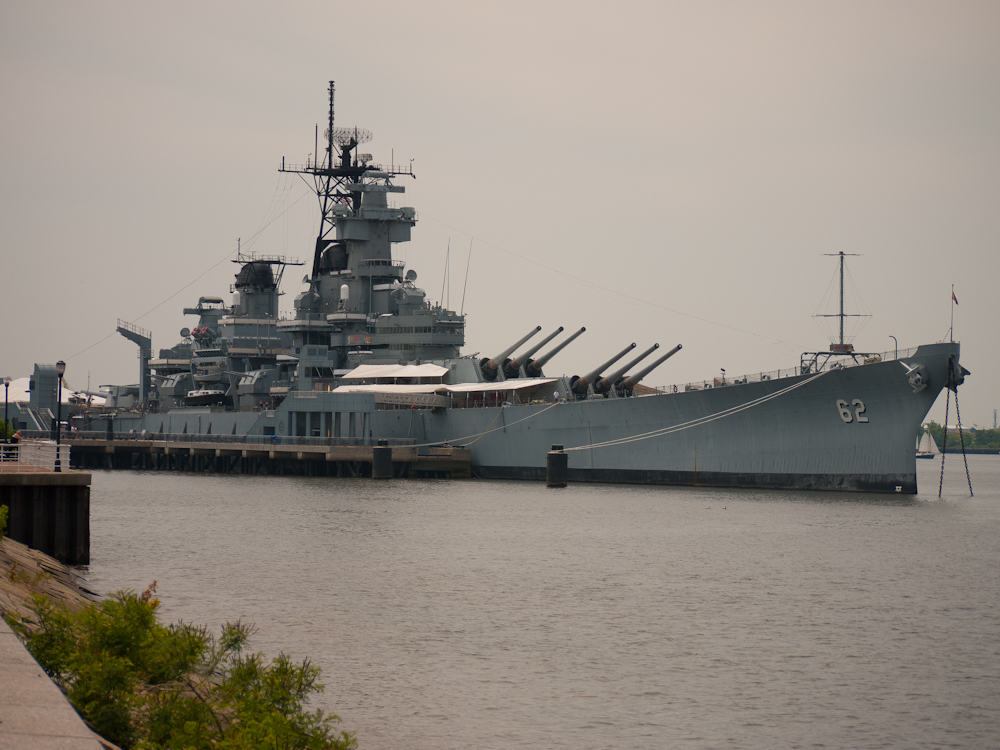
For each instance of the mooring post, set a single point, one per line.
(382, 460)
(556, 467)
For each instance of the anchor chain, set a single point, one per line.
(961, 438)
(953, 386)
(944, 443)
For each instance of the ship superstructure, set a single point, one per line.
(229, 358)
(360, 306)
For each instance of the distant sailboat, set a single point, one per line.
(927, 448)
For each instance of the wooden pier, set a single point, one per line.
(284, 456)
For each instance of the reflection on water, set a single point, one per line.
(458, 614)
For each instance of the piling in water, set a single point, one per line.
(382, 460)
(556, 467)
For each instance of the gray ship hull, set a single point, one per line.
(842, 429)
(368, 356)
(848, 429)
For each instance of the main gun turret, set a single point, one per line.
(579, 385)
(534, 367)
(626, 386)
(606, 383)
(489, 367)
(512, 367)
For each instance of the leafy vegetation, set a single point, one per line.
(144, 685)
(975, 440)
(3, 521)
(6, 429)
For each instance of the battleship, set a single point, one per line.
(367, 357)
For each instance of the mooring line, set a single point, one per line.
(487, 431)
(695, 422)
(618, 441)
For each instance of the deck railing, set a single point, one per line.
(35, 454)
(838, 363)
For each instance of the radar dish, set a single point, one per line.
(411, 275)
(344, 136)
(185, 332)
(364, 158)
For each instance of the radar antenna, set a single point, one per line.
(277, 262)
(342, 166)
(349, 136)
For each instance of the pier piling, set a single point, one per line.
(556, 467)
(382, 460)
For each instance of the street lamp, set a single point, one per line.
(60, 370)
(6, 427)
(897, 346)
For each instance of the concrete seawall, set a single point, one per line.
(49, 512)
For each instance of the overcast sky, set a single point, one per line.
(658, 172)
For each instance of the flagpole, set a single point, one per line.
(951, 328)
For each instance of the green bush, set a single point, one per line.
(148, 686)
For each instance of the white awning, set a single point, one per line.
(516, 384)
(390, 388)
(506, 385)
(397, 371)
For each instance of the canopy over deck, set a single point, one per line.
(505, 385)
(396, 371)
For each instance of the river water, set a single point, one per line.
(480, 614)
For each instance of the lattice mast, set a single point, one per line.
(341, 166)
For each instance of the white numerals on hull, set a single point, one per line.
(845, 412)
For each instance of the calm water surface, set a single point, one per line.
(476, 614)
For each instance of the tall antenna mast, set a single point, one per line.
(841, 346)
(841, 292)
(466, 285)
(329, 140)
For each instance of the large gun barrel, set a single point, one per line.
(534, 366)
(490, 366)
(512, 367)
(579, 385)
(605, 384)
(632, 380)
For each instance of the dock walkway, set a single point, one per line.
(34, 713)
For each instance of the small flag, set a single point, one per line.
(953, 297)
